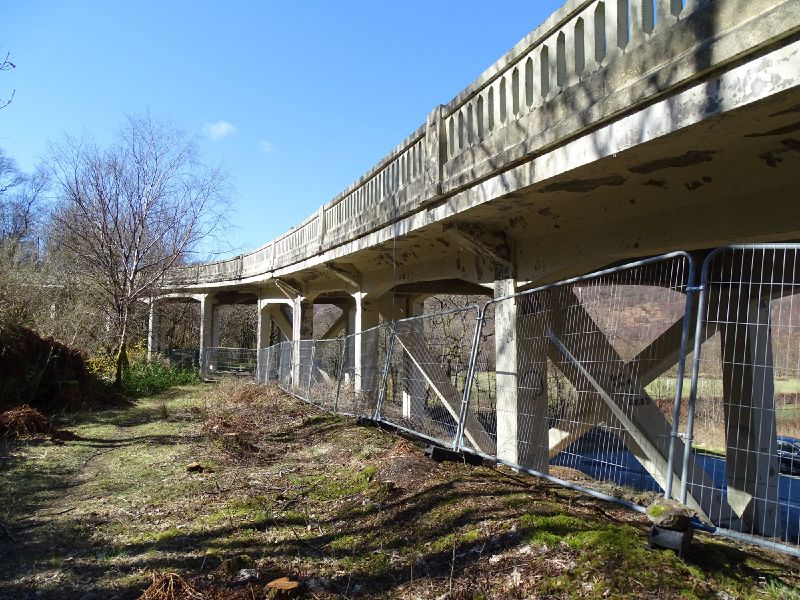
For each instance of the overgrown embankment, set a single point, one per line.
(47, 375)
(39, 371)
(231, 487)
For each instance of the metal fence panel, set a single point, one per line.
(303, 356)
(229, 362)
(427, 371)
(746, 391)
(325, 372)
(579, 380)
(184, 358)
(268, 363)
(361, 373)
(285, 358)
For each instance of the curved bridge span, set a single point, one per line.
(617, 130)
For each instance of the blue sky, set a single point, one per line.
(296, 99)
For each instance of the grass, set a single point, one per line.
(350, 511)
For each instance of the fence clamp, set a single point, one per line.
(695, 288)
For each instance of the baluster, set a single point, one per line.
(584, 45)
(547, 67)
(570, 62)
(590, 49)
(666, 16)
(515, 89)
(451, 137)
(642, 21)
(492, 115)
(616, 22)
(502, 102)
(460, 131)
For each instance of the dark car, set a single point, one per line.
(789, 455)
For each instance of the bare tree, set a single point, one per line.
(21, 207)
(130, 212)
(21, 197)
(7, 65)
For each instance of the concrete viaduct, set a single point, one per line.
(617, 129)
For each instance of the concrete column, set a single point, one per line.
(216, 328)
(753, 469)
(435, 152)
(521, 364)
(277, 312)
(302, 329)
(152, 331)
(365, 348)
(413, 393)
(350, 347)
(206, 326)
(263, 340)
(264, 326)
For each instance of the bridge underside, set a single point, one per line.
(731, 179)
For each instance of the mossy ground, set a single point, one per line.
(350, 511)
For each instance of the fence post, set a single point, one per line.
(385, 382)
(676, 406)
(698, 342)
(339, 375)
(310, 370)
(473, 357)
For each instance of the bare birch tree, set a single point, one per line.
(128, 213)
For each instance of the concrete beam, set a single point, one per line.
(418, 352)
(364, 347)
(336, 327)
(490, 246)
(348, 275)
(593, 365)
(289, 291)
(278, 314)
(521, 365)
(752, 465)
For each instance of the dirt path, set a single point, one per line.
(348, 511)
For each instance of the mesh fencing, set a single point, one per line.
(229, 362)
(326, 366)
(285, 358)
(578, 380)
(302, 359)
(184, 358)
(361, 376)
(268, 364)
(746, 391)
(427, 370)
(585, 382)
